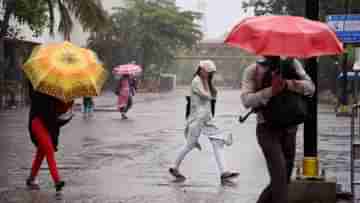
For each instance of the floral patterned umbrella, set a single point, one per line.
(65, 71)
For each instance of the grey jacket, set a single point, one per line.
(252, 97)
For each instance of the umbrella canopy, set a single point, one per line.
(65, 71)
(127, 69)
(290, 36)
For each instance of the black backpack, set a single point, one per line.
(287, 108)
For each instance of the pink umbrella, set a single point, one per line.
(127, 69)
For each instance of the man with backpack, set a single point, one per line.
(262, 83)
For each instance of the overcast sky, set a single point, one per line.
(220, 15)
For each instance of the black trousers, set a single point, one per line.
(128, 106)
(279, 148)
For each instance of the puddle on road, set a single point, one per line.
(182, 185)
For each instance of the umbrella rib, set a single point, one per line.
(305, 38)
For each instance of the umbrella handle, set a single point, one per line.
(242, 119)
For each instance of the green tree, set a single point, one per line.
(149, 32)
(39, 14)
(90, 14)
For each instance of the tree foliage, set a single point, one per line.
(33, 13)
(90, 14)
(149, 32)
(39, 14)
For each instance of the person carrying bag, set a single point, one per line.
(266, 90)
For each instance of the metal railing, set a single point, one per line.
(354, 148)
(13, 93)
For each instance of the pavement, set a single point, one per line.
(109, 160)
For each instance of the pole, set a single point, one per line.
(344, 99)
(310, 162)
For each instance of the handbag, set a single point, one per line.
(287, 108)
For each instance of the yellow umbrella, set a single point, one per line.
(65, 71)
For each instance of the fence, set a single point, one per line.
(355, 151)
(13, 83)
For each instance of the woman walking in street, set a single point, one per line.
(47, 115)
(88, 107)
(124, 95)
(200, 121)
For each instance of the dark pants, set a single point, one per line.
(128, 105)
(278, 146)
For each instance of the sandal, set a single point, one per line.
(175, 172)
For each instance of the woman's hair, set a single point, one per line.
(212, 88)
(197, 72)
(273, 62)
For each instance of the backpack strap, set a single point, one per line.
(257, 78)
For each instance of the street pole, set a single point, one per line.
(310, 162)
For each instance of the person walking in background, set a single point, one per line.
(277, 143)
(47, 115)
(124, 95)
(88, 106)
(200, 121)
(133, 85)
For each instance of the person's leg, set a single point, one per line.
(88, 109)
(175, 170)
(219, 153)
(39, 157)
(45, 145)
(268, 139)
(181, 156)
(129, 104)
(91, 108)
(191, 143)
(31, 180)
(85, 109)
(288, 143)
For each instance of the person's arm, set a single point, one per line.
(65, 114)
(62, 122)
(198, 88)
(250, 97)
(304, 85)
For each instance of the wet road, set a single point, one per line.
(106, 159)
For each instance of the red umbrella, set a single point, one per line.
(290, 36)
(127, 69)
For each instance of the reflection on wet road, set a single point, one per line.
(106, 159)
